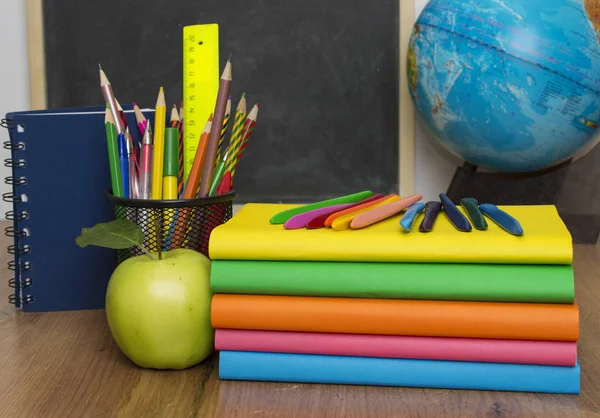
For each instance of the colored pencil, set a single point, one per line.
(181, 130)
(224, 130)
(159, 145)
(110, 99)
(225, 185)
(193, 182)
(176, 124)
(247, 133)
(122, 115)
(218, 175)
(134, 157)
(133, 178)
(146, 165)
(124, 161)
(113, 153)
(236, 131)
(171, 164)
(215, 134)
(191, 187)
(140, 119)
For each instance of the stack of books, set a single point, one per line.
(378, 306)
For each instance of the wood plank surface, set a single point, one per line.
(36, 54)
(66, 364)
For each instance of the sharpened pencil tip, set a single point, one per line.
(99, 67)
(230, 55)
(243, 95)
(134, 103)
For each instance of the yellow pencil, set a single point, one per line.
(224, 130)
(236, 132)
(160, 119)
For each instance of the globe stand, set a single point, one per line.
(461, 175)
(540, 188)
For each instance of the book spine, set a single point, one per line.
(344, 370)
(19, 248)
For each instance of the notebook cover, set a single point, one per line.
(67, 176)
(434, 281)
(529, 321)
(553, 353)
(302, 368)
(250, 236)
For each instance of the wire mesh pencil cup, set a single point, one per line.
(172, 224)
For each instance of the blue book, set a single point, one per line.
(60, 174)
(308, 368)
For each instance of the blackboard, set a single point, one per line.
(324, 72)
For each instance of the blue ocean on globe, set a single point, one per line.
(510, 85)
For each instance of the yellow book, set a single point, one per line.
(250, 236)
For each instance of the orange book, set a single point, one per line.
(528, 321)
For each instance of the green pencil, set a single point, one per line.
(113, 153)
(218, 175)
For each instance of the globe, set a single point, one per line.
(510, 85)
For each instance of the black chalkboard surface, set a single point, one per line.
(324, 72)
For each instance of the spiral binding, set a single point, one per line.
(18, 248)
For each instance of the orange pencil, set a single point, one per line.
(334, 216)
(191, 189)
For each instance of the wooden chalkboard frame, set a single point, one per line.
(406, 119)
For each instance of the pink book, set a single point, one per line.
(556, 353)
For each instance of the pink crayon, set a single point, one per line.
(300, 220)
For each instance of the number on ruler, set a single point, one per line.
(192, 85)
(191, 49)
(192, 38)
(192, 73)
(192, 61)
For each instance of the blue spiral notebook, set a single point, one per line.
(309, 368)
(60, 173)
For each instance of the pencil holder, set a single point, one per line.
(172, 224)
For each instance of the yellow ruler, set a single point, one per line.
(200, 84)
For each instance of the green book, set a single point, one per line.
(466, 282)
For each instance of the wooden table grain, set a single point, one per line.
(66, 364)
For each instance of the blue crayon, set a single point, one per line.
(410, 215)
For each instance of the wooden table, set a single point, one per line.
(66, 364)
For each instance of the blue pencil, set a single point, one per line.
(124, 162)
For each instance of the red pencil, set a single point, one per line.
(246, 134)
(225, 185)
(176, 123)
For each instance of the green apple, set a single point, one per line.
(158, 311)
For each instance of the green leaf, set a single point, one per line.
(117, 234)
